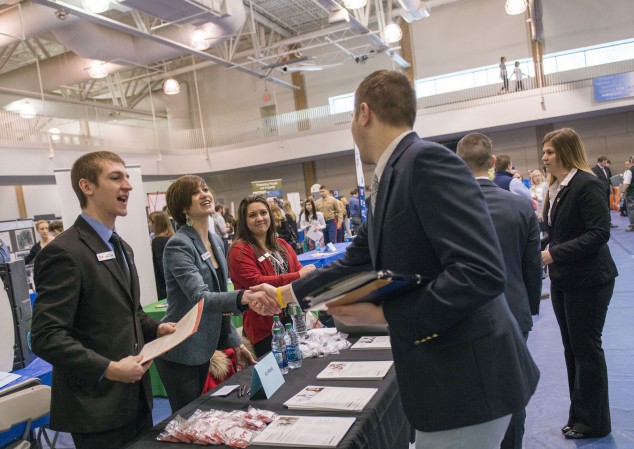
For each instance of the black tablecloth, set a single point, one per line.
(381, 425)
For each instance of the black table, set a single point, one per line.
(381, 425)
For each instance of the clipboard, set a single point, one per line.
(369, 286)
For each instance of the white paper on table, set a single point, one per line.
(304, 431)
(315, 397)
(374, 342)
(226, 390)
(368, 370)
(188, 325)
(7, 378)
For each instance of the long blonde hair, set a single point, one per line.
(289, 210)
(277, 214)
(570, 152)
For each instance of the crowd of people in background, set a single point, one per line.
(197, 245)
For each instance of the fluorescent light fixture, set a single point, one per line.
(95, 6)
(339, 16)
(171, 86)
(54, 133)
(199, 40)
(514, 7)
(354, 4)
(392, 33)
(98, 70)
(27, 110)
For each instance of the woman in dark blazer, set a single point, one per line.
(160, 225)
(582, 275)
(195, 268)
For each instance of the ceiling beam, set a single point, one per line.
(57, 4)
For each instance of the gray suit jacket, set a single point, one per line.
(518, 233)
(189, 279)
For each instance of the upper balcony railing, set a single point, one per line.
(562, 71)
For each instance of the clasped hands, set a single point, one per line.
(358, 313)
(260, 302)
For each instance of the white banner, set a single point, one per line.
(132, 228)
(360, 183)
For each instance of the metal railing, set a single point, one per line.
(84, 135)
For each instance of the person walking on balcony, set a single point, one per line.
(504, 75)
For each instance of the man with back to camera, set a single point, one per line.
(355, 210)
(88, 322)
(518, 234)
(449, 335)
(504, 177)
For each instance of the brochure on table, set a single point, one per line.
(304, 431)
(188, 325)
(315, 397)
(374, 342)
(371, 370)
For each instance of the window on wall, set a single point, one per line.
(487, 75)
(341, 103)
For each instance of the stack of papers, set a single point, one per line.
(356, 370)
(381, 342)
(331, 398)
(304, 431)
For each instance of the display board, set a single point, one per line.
(156, 201)
(132, 228)
(18, 236)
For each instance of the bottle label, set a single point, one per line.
(279, 357)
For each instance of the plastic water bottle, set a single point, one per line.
(318, 246)
(278, 346)
(299, 320)
(293, 350)
(277, 324)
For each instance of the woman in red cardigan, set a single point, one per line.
(258, 256)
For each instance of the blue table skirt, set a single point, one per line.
(323, 258)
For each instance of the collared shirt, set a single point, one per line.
(382, 162)
(329, 207)
(554, 190)
(104, 231)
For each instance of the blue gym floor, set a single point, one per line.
(548, 409)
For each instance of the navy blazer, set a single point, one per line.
(191, 277)
(518, 233)
(85, 316)
(578, 234)
(459, 355)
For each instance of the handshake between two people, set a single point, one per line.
(269, 300)
(264, 299)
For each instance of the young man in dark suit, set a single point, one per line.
(88, 322)
(603, 172)
(518, 234)
(461, 362)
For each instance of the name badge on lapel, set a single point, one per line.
(105, 256)
(205, 256)
(265, 256)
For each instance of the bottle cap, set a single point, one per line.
(287, 326)
(276, 318)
